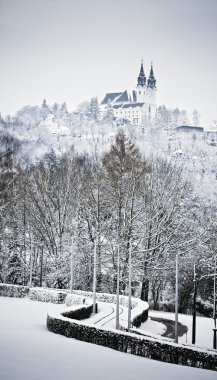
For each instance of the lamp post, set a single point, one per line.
(214, 309)
(31, 260)
(94, 274)
(129, 289)
(41, 265)
(194, 308)
(117, 293)
(176, 300)
(72, 267)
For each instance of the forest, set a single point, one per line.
(55, 211)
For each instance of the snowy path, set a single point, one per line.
(28, 351)
(204, 332)
(106, 316)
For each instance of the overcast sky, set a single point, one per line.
(71, 50)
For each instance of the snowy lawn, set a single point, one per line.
(29, 352)
(204, 326)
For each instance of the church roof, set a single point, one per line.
(127, 105)
(116, 106)
(132, 105)
(111, 96)
(124, 97)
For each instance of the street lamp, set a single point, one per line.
(194, 308)
(94, 273)
(31, 260)
(129, 289)
(117, 292)
(72, 267)
(176, 301)
(214, 309)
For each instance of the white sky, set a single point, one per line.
(75, 49)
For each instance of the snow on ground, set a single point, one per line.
(106, 318)
(204, 326)
(157, 328)
(29, 351)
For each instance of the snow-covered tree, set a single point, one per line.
(196, 118)
(94, 109)
(45, 110)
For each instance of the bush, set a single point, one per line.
(204, 308)
(47, 295)
(79, 313)
(8, 290)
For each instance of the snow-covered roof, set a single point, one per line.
(133, 105)
(189, 128)
(124, 96)
(111, 96)
(128, 105)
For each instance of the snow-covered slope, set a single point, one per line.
(29, 351)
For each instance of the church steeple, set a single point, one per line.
(151, 79)
(141, 81)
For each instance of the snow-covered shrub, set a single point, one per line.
(47, 295)
(139, 314)
(79, 313)
(204, 307)
(74, 299)
(139, 311)
(149, 347)
(8, 290)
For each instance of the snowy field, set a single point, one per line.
(28, 351)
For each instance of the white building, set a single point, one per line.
(211, 134)
(137, 106)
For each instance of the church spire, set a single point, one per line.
(151, 79)
(141, 81)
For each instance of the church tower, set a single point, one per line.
(151, 95)
(141, 86)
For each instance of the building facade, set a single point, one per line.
(138, 106)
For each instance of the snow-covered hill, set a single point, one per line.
(29, 351)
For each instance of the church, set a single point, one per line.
(138, 106)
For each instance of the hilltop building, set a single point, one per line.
(137, 106)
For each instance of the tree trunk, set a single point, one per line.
(145, 289)
(41, 267)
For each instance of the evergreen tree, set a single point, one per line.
(45, 110)
(94, 109)
(196, 118)
(109, 115)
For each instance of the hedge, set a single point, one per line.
(139, 312)
(8, 290)
(47, 295)
(130, 343)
